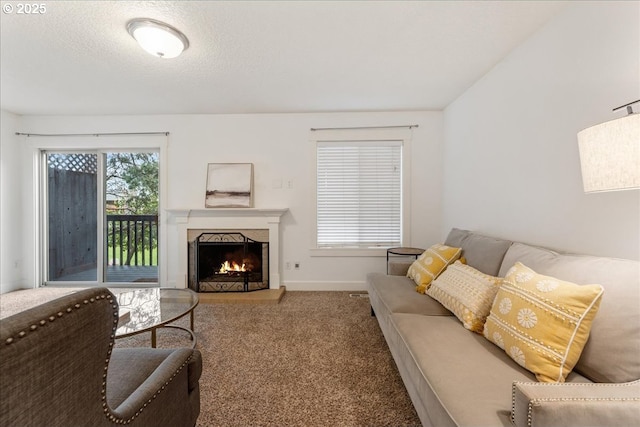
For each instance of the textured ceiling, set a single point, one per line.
(259, 56)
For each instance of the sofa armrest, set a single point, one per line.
(577, 404)
(398, 268)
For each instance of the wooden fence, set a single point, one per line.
(73, 222)
(73, 228)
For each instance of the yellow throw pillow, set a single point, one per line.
(541, 322)
(430, 264)
(466, 292)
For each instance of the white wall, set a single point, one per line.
(511, 165)
(12, 263)
(278, 145)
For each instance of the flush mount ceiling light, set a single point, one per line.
(158, 38)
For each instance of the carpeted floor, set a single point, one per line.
(24, 299)
(315, 359)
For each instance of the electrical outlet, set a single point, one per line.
(296, 265)
(287, 265)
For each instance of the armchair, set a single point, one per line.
(59, 367)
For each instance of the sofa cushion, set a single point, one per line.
(458, 376)
(467, 292)
(483, 253)
(398, 295)
(431, 264)
(611, 354)
(542, 322)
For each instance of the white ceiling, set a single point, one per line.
(258, 56)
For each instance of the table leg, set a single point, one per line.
(192, 328)
(387, 262)
(153, 338)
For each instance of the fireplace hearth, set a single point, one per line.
(228, 262)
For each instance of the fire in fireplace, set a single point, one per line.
(228, 262)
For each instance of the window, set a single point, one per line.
(359, 193)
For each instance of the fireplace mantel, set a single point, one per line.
(185, 214)
(232, 219)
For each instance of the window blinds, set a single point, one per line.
(359, 194)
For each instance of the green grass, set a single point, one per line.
(114, 260)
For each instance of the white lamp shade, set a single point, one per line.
(158, 38)
(610, 155)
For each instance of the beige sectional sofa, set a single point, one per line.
(456, 377)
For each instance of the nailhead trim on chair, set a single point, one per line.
(107, 412)
(51, 318)
(117, 420)
(103, 391)
(534, 402)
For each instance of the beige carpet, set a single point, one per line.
(24, 299)
(315, 359)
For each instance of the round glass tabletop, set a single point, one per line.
(147, 309)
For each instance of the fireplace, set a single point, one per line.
(259, 224)
(228, 262)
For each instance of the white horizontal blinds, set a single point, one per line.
(359, 194)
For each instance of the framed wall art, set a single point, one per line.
(229, 185)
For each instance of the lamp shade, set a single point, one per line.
(158, 38)
(610, 155)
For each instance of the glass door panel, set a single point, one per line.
(72, 183)
(131, 217)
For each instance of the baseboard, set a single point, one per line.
(14, 285)
(325, 286)
(264, 296)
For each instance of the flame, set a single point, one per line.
(231, 266)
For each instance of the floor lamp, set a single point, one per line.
(610, 153)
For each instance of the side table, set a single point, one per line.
(414, 252)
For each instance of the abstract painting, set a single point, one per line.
(229, 185)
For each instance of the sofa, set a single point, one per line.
(456, 377)
(59, 367)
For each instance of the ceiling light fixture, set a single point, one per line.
(157, 38)
(610, 153)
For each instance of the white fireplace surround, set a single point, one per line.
(229, 219)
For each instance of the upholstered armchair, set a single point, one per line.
(59, 367)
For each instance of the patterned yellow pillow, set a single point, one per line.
(541, 322)
(466, 292)
(430, 264)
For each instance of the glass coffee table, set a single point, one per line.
(147, 310)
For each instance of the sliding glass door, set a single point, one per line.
(102, 216)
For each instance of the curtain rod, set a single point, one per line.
(368, 127)
(92, 134)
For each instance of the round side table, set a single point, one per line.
(402, 251)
